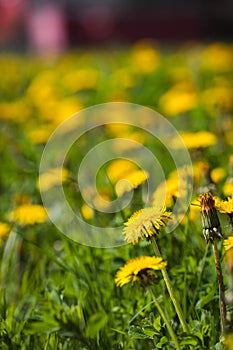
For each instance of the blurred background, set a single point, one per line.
(54, 25)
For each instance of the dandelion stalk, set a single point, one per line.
(170, 289)
(165, 319)
(221, 286)
(212, 231)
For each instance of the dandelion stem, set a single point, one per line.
(170, 289)
(221, 285)
(165, 319)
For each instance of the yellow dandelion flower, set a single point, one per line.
(145, 59)
(145, 223)
(171, 189)
(82, 79)
(118, 168)
(228, 243)
(218, 57)
(194, 140)
(225, 206)
(28, 214)
(16, 111)
(43, 88)
(53, 177)
(217, 175)
(4, 230)
(64, 108)
(131, 181)
(178, 100)
(228, 188)
(102, 201)
(118, 129)
(57, 110)
(168, 190)
(138, 270)
(217, 200)
(217, 98)
(194, 210)
(87, 212)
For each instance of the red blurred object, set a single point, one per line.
(12, 16)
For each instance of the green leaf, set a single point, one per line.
(35, 327)
(163, 341)
(190, 340)
(95, 323)
(206, 299)
(149, 330)
(157, 323)
(136, 332)
(118, 331)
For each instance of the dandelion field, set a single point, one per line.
(56, 293)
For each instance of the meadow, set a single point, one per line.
(57, 293)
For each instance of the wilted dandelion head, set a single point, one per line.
(210, 222)
(145, 223)
(28, 214)
(139, 270)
